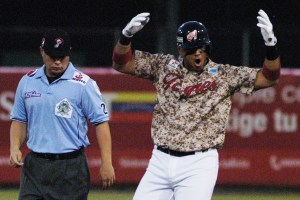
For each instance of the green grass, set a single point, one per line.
(12, 194)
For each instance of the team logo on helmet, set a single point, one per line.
(192, 36)
(58, 42)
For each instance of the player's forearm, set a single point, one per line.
(123, 46)
(123, 60)
(104, 142)
(17, 135)
(122, 55)
(272, 65)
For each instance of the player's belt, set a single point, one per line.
(178, 153)
(59, 156)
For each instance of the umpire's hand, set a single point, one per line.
(107, 175)
(16, 158)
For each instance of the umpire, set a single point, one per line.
(50, 110)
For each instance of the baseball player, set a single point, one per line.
(192, 107)
(50, 109)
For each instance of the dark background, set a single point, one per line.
(94, 27)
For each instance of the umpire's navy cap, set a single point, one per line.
(56, 42)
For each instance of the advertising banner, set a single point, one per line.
(262, 139)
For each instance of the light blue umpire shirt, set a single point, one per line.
(56, 113)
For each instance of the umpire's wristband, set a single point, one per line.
(124, 40)
(272, 52)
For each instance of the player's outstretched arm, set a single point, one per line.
(269, 75)
(122, 58)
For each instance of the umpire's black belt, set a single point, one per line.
(59, 156)
(178, 153)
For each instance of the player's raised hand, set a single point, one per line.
(266, 28)
(136, 24)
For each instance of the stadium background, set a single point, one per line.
(261, 149)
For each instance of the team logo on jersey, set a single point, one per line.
(80, 78)
(192, 36)
(173, 64)
(213, 70)
(174, 81)
(64, 109)
(32, 94)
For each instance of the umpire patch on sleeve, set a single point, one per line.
(63, 109)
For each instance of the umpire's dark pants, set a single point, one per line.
(59, 179)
